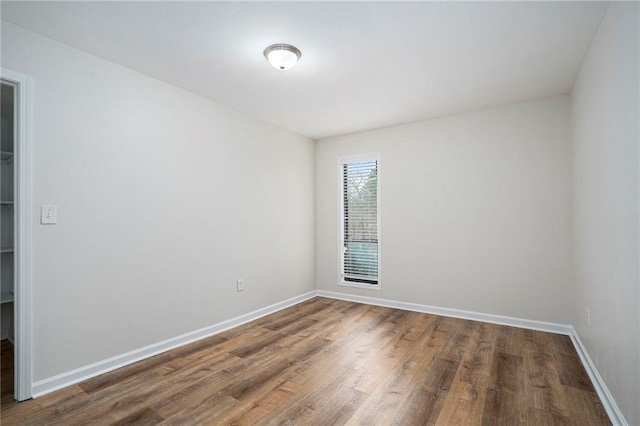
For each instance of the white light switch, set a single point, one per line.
(49, 214)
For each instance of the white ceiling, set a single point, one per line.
(364, 65)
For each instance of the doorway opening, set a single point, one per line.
(7, 234)
(15, 237)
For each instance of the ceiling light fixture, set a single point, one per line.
(282, 56)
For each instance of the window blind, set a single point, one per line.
(360, 222)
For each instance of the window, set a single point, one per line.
(360, 222)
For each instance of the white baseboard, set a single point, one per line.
(455, 313)
(69, 378)
(615, 415)
(51, 384)
(608, 402)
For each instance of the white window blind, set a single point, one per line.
(360, 227)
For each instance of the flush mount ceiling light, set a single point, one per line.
(282, 56)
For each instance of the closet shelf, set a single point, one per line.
(6, 249)
(6, 297)
(6, 156)
(6, 203)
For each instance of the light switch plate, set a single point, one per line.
(49, 215)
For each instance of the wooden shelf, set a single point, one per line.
(6, 249)
(6, 297)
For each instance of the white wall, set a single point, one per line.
(605, 127)
(475, 210)
(164, 199)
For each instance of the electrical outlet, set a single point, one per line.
(589, 317)
(240, 285)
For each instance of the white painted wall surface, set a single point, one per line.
(606, 135)
(475, 210)
(164, 199)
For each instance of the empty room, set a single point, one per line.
(314, 213)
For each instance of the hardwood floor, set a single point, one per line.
(6, 374)
(333, 362)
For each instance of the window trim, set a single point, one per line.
(353, 159)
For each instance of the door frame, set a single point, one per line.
(23, 249)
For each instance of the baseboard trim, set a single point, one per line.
(615, 415)
(609, 403)
(455, 313)
(51, 384)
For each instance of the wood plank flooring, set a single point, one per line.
(6, 374)
(334, 362)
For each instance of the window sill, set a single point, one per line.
(375, 287)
